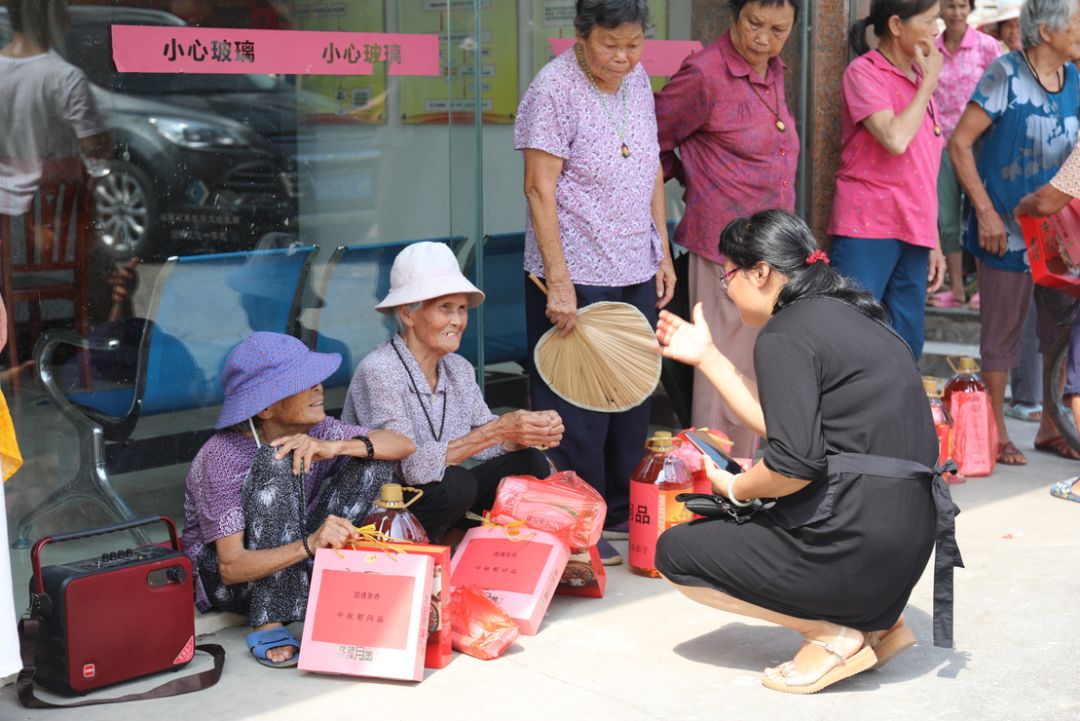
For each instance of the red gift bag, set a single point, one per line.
(478, 626)
(1053, 245)
(561, 504)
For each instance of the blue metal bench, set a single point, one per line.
(502, 316)
(171, 361)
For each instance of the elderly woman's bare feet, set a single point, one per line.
(836, 653)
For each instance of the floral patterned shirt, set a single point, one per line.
(213, 506)
(732, 159)
(604, 201)
(1067, 179)
(1031, 134)
(382, 392)
(960, 74)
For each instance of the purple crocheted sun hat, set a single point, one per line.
(264, 369)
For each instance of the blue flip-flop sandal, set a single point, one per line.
(1064, 490)
(259, 642)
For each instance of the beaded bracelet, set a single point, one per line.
(731, 494)
(307, 548)
(370, 446)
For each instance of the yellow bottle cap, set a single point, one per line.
(390, 496)
(661, 441)
(964, 364)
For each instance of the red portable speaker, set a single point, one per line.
(112, 618)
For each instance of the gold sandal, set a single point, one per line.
(788, 678)
(891, 643)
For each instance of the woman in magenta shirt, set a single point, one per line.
(884, 219)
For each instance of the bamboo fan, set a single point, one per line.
(608, 362)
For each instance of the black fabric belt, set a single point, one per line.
(946, 552)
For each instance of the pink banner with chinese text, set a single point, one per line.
(661, 58)
(163, 49)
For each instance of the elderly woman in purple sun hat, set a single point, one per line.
(279, 480)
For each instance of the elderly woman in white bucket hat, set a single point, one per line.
(245, 499)
(417, 385)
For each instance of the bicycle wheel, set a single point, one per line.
(1053, 373)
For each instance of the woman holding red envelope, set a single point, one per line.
(848, 457)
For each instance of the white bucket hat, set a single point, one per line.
(990, 13)
(423, 271)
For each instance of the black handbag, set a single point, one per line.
(712, 505)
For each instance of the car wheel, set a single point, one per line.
(127, 210)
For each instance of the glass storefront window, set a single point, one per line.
(293, 165)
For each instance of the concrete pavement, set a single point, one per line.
(645, 652)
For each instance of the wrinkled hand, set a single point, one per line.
(1029, 205)
(935, 276)
(543, 429)
(665, 282)
(929, 59)
(682, 341)
(305, 450)
(992, 236)
(334, 533)
(562, 305)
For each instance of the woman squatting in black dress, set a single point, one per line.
(848, 456)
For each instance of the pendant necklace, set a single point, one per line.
(929, 106)
(420, 398)
(1049, 95)
(775, 109)
(933, 117)
(621, 127)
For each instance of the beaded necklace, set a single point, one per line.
(620, 128)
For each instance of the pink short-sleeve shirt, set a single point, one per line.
(880, 195)
(960, 73)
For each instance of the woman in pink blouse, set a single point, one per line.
(738, 153)
(884, 218)
(966, 53)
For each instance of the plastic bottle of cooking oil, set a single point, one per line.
(660, 476)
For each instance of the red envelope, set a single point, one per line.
(584, 575)
(439, 651)
(519, 573)
(367, 614)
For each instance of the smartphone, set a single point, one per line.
(712, 450)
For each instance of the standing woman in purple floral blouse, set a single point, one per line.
(738, 153)
(595, 228)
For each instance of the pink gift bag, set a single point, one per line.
(367, 614)
(517, 568)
